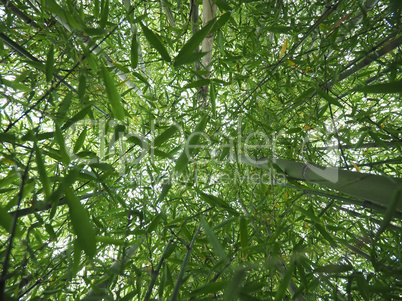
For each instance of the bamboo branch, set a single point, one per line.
(118, 265)
(179, 280)
(19, 13)
(155, 273)
(22, 52)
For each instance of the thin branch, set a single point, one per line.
(179, 280)
(155, 273)
(3, 278)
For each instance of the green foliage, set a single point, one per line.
(133, 171)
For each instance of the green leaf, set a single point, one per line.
(232, 289)
(77, 117)
(212, 200)
(378, 139)
(329, 98)
(81, 224)
(141, 78)
(212, 97)
(110, 240)
(195, 40)
(219, 23)
(326, 235)
(182, 161)
(209, 288)
(8, 137)
(155, 42)
(134, 51)
(5, 219)
(80, 141)
(389, 213)
(189, 58)
(62, 144)
(308, 214)
(213, 240)
(283, 286)
(49, 64)
(333, 269)
(166, 135)
(95, 31)
(42, 171)
(303, 97)
(164, 192)
(154, 224)
(243, 233)
(104, 14)
(197, 83)
(82, 85)
(392, 87)
(222, 4)
(65, 103)
(112, 94)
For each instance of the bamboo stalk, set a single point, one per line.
(374, 188)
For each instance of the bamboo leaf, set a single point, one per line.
(164, 192)
(110, 240)
(195, 40)
(5, 219)
(333, 269)
(197, 83)
(80, 141)
(182, 161)
(306, 94)
(219, 23)
(209, 288)
(155, 42)
(189, 58)
(155, 223)
(213, 240)
(284, 46)
(42, 171)
(81, 224)
(65, 103)
(326, 235)
(392, 87)
(212, 200)
(134, 51)
(49, 64)
(243, 233)
(65, 158)
(112, 94)
(104, 14)
(285, 281)
(378, 139)
(212, 97)
(389, 213)
(329, 98)
(166, 135)
(223, 5)
(82, 85)
(233, 287)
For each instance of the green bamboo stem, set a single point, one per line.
(155, 273)
(179, 280)
(374, 188)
